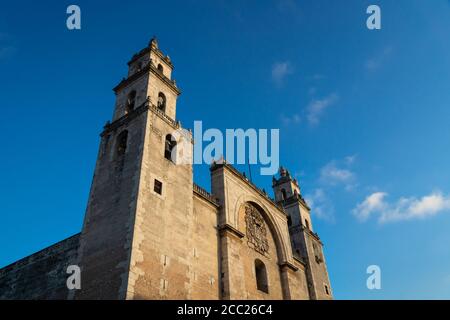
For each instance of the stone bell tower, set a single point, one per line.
(140, 203)
(305, 242)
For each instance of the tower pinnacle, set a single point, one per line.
(153, 42)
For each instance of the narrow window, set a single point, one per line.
(139, 66)
(261, 276)
(283, 194)
(157, 187)
(162, 102)
(121, 144)
(131, 99)
(317, 253)
(160, 68)
(327, 291)
(307, 224)
(169, 148)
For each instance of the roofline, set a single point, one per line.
(224, 164)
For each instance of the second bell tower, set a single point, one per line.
(305, 242)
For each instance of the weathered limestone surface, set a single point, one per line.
(41, 275)
(105, 242)
(286, 278)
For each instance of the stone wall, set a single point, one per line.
(107, 233)
(41, 275)
(205, 265)
(316, 261)
(286, 276)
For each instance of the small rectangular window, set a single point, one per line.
(157, 187)
(326, 290)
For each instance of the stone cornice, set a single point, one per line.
(147, 105)
(147, 50)
(299, 260)
(226, 228)
(173, 123)
(163, 57)
(312, 234)
(288, 265)
(138, 55)
(205, 195)
(297, 198)
(170, 83)
(126, 119)
(236, 173)
(150, 67)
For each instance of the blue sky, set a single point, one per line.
(364, 117)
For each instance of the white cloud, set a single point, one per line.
(280, 70)
(293, 119)
(316, 108)
(331, 174)
(334, 173)
(373, 203)
(350, 159)
(375, 63)
(403, 209)
(321, 206)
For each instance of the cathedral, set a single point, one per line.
(150, 232)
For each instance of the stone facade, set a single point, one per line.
(151, 233)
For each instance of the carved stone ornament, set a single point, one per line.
(256, 229)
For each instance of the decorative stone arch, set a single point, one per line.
(162, 102)
(170, 144)
(281, 246)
